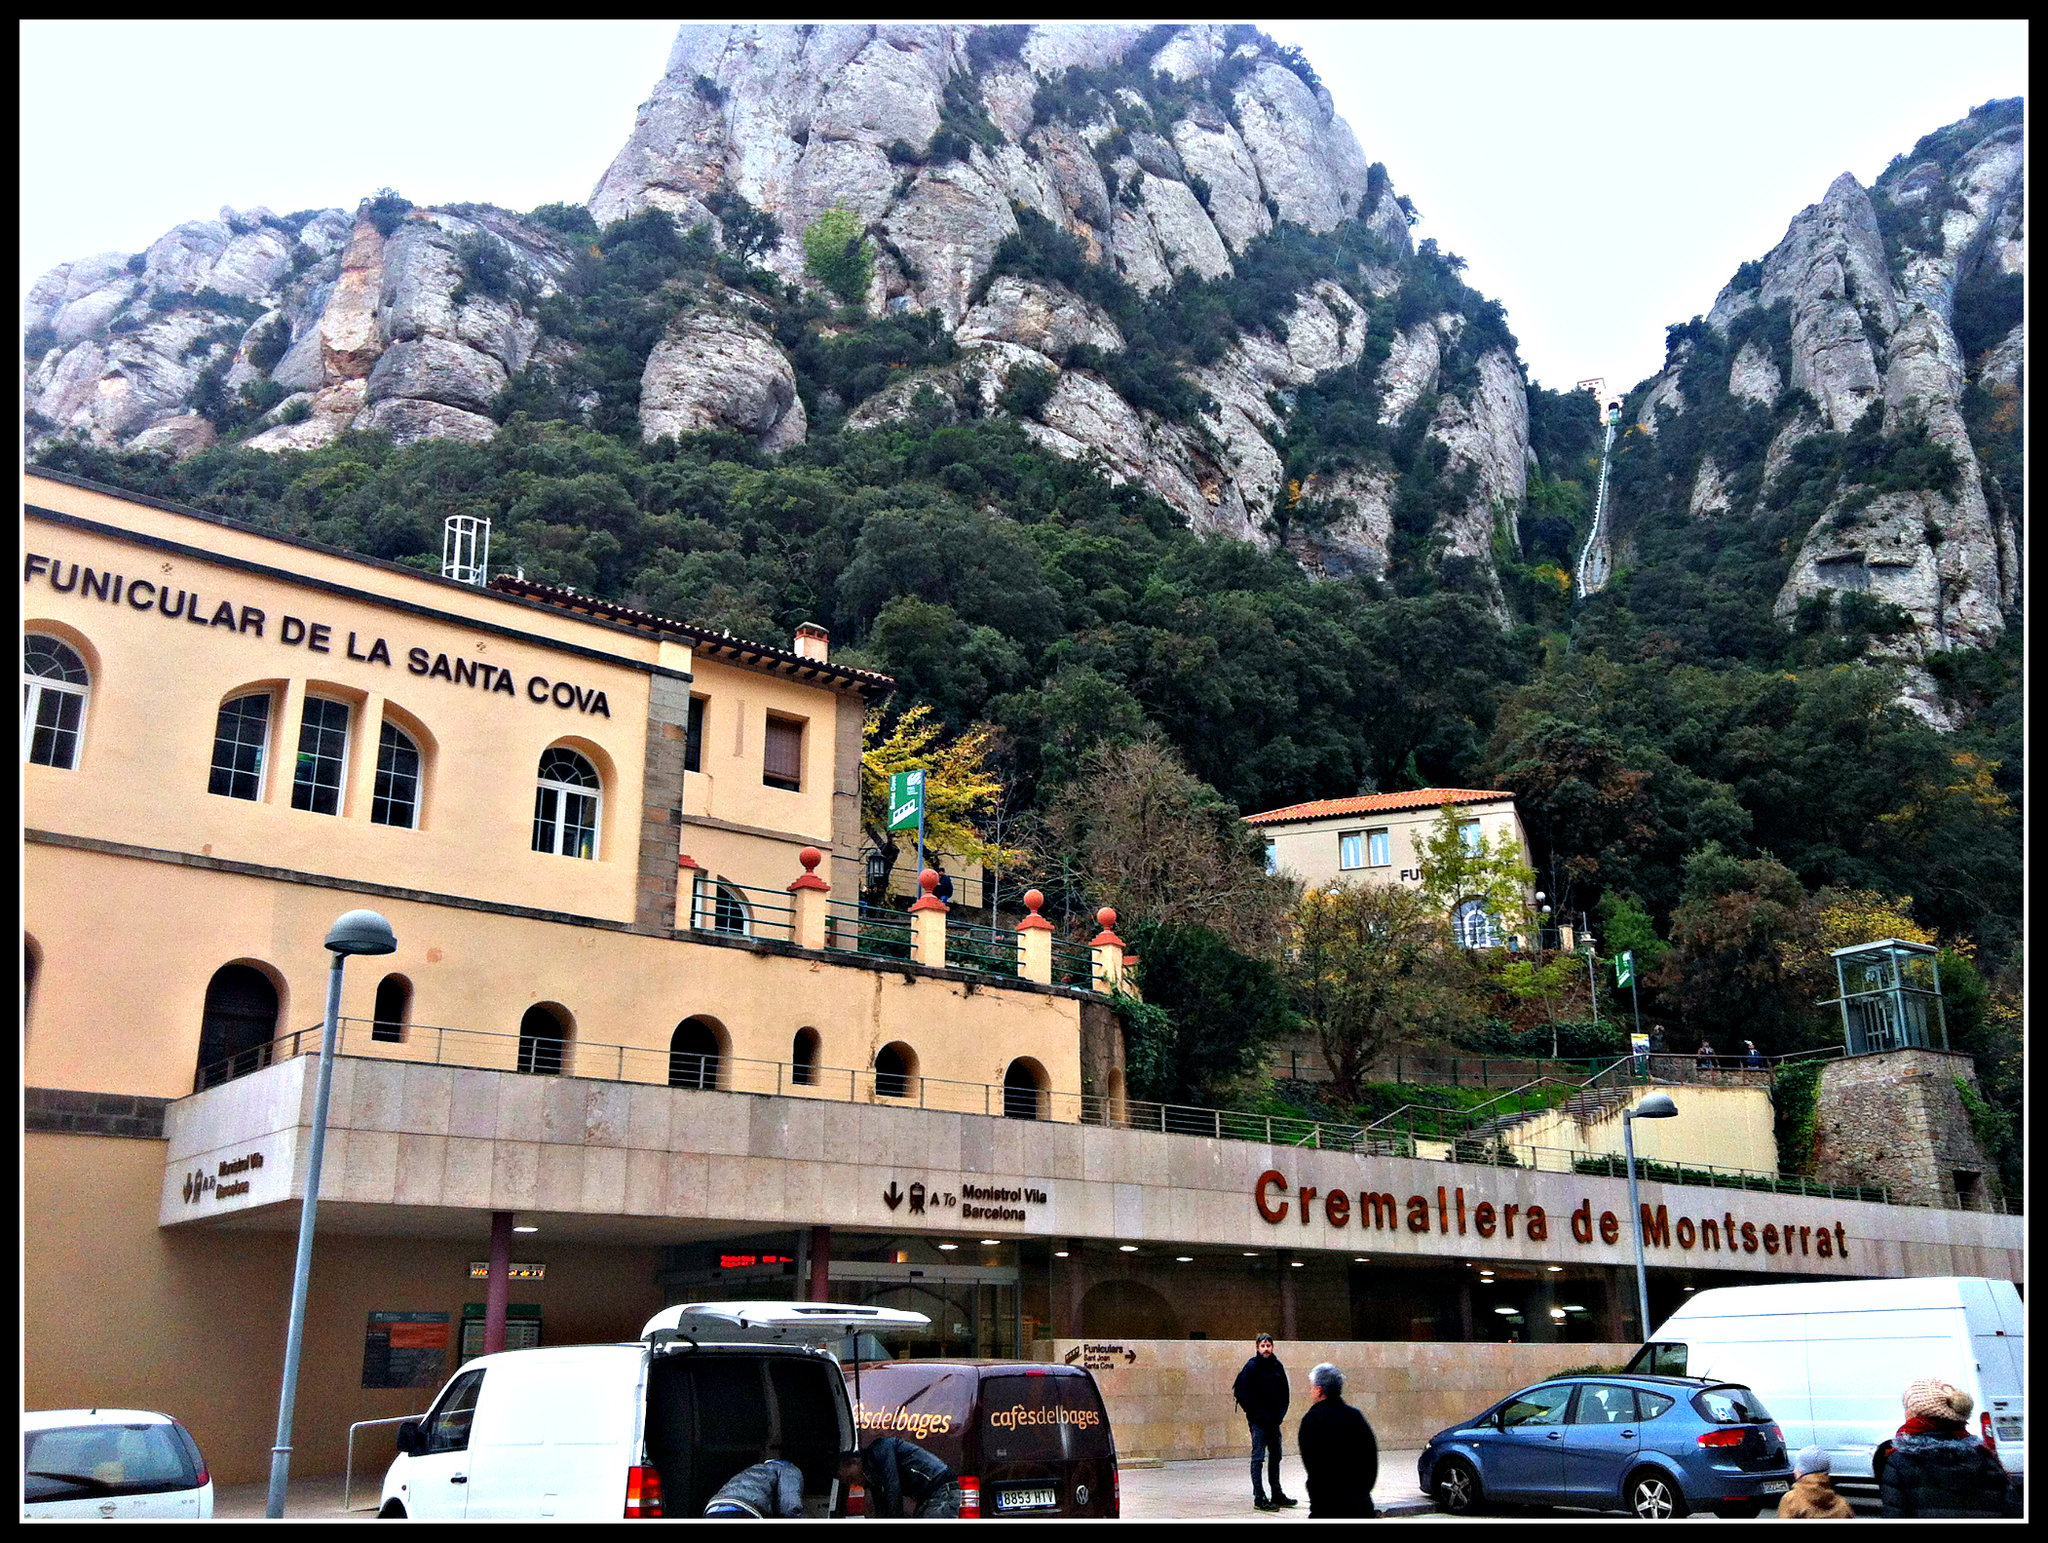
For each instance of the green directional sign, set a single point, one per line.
(906, 800)
(1625, 969)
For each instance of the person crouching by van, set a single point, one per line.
(773, 1488)
(1261, 1392)
(1338, 1449)
(1936, 1467)
(903, 1479)
(1812, 1496)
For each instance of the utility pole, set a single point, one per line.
(1592, 984)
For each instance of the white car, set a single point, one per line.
(113, 1463)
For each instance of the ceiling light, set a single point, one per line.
(1059, 1253)
(1183, 1258)
(526, 1229)
(1688, 1288)
(1554, 1269)
(949, 1247)
(1509, 1311)
(1249, 1254)
(1361, 1259)
(1557, 1312)
(1297, 1263)
(990, 1242)
(1127, 1248)
(1573, 1307)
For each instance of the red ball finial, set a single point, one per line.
(810, 857)
(1107, 917)
(929, 879)
(1033, 900)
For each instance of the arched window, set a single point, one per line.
(241, 735)
(396, 800)
(803, 1058)
(543, 1041)
(694, 1051)
(53, 688)
(394, 1002)
(1024, 1090)
(895, 1071)
(237, 1024)
(565, 806)
(1475, 926)
(729, 910)
(322, 765)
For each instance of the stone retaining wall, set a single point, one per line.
(1171, 1398)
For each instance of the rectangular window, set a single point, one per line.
(1272, 857)
(53, 718)
(1351, 849)
(1378, 849)
(1468, 833)
(323, 750)
(693, 737)
(239, 737)
(782, 755)
(397, 798)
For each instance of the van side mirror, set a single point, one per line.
(410, 1440)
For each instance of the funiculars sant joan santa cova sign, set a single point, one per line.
(1452, 1213)
(297, 632)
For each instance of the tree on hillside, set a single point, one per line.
(1159, 844)
(1372, 965)
(838, 254)
(960, 789)
(1455, 870)
(1212, 1012)
(1739, 923)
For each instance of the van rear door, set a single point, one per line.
(556, 1431)
(1998, 1336)
(1044, 1439)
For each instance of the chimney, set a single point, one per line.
(813, 642)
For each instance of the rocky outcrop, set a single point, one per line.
(716, 370)
(1861, 295)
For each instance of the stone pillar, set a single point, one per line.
(928, 923)
(1034, 941)
(1070, 1285)
(1895, 1119)
(498, 1288)
(1465, 1328)
(1284, 1259)
(1543, 1327)
(1615, 1299)
(819, 1287)
(661, 800)
(807, 895)
(1109, 952)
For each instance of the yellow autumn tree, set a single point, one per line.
(1840, 918)
(961, 789)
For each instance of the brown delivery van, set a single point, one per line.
(1026, 1439)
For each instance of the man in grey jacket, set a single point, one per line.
(773, 1488)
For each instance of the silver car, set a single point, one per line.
(112, 1463)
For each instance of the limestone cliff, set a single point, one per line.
(1866, 371)
(1169, 157)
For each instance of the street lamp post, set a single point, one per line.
(1657, 1106)
(355, 932)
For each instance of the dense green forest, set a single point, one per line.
(1691, 773)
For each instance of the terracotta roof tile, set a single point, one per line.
(1376, 803)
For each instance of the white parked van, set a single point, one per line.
(651, 1428)
(1830, 1359)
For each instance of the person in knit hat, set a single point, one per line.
(1936, 1467)
(1812, 1496)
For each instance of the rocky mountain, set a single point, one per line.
(1045, 195)
(1848, 411)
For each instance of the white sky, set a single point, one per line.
(1601, 179)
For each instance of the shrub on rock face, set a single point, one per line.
(1028, 389)
(838, 254)
(387, 210)
(569, 219)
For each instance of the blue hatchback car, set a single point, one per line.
(1651, 1446)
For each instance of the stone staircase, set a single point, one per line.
(1588, 1106)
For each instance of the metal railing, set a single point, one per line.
(858, 928)
(739, 910)
(1073, 964)
(574, 1058)
(990, 950)
(348, 1472)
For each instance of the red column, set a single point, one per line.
(498, 1291)
(821, 1264)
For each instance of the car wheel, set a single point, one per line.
(1651, 1494)
(1456, 1488)
(392, 1511)
(1742, 1510)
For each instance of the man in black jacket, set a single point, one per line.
(901, 1476)
(1261, 1392)
(1338, 1449)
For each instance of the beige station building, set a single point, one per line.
(639, 1023)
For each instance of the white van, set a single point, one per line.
(1831, 1358)
(651, 1428)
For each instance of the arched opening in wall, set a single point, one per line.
(1127, 1309)
(1024, 1090)
(896, 1071)
(543, 1041)
(694, 1053)
(803, 1058)
(394, 1006)
(236, 1025)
